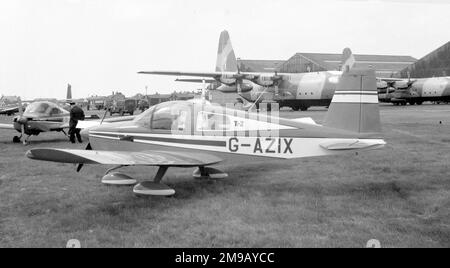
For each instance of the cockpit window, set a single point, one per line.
(40, 108)
(55, 111)
(162, 119)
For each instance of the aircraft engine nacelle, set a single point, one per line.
(402, 85)
(265, 81)
(233, 89)
(228, 79)
(382, 85)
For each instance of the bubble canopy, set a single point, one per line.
(45, 109)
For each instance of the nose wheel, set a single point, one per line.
(16, 139)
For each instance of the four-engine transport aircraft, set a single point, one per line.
(197, 134)
(296, 90)
(415, 91)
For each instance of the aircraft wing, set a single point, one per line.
(6, 126)
(146, 158)
(12, 110)
(214, 75)
(187, 80)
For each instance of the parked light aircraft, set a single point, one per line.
(40, 116)
(197, 134)
(9, 110)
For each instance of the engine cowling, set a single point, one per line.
(228, 79)
(264, 80)
(402, 85)
(233, 89)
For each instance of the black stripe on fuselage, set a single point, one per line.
(346, 93)
(168, 140)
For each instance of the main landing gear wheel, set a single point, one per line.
(118, 179)
(155, 187)
(149, 188)
(16, 139)
(209, 173)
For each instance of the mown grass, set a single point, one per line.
(399, 195)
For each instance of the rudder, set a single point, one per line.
(355, 103)
(226, 59)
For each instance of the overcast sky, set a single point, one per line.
(99, 45)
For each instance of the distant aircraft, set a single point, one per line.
(196, 133)
(9, 105)
(9, 110)
(414, 91)
(296, 90)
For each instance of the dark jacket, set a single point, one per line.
(76, 114)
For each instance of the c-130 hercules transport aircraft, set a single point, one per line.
(197, 134)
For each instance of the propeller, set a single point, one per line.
(89, 147)
(80, 166)
(204, 90)
(276, 80)
(21, 120)
(239, 78)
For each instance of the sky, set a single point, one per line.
(98, 46)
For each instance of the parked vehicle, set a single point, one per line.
(143, 105)
(123, 107)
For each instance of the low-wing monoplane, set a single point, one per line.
(38, 117)
(197, 134)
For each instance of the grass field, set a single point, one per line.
(399, 195)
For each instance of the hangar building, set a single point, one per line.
(385, 66)
(435, 64)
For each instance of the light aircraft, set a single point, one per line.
(197, 134)
(9, 110)
(9, 105)
(41, 116)
(296, 90)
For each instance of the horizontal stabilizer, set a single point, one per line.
(150, 158)
(305, 120)
(341, 145)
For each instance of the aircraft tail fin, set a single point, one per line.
(69, 92)
(355, 103)
(226, 59)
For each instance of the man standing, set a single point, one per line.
(76, 114)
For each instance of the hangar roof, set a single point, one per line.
(385, 65)
(435, 64)
(260, 65)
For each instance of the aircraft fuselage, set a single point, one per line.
(299, 91)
